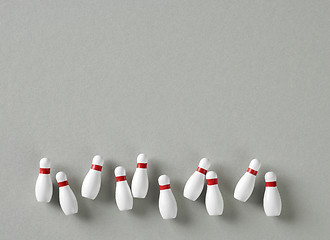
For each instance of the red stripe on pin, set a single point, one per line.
(96, 167)
(121, 178)
(271, 184)
(141, 165)
(163, 187)
(45, 170)
(253, 172)
(201, 170)
(212, 181)
(63, 184)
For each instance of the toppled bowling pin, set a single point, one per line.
(213, 198)
(272, 198)
(194, 185)
(140, 181)
(167, 204)
(44, 185)
(245, 185)
(124, 197)
(68, 200)
(92, 182)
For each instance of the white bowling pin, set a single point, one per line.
(213, 198)
(194, 185)
(272, 198)
(140, 181)
(67, 198)
(245, 185)
(167, 204)
(44, 185)
(92, 182)
(124, 197)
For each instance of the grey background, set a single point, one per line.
(177, 80)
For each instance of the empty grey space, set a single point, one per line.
(178, 81)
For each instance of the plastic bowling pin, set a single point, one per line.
(44, 185)
(213, 198)
(272, 198)
(245, 185)
(194, 185)
(140, 182)
(67, 198)
(167, 204)
(124, 197)
(92, 182)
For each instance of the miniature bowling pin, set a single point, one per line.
(92, 182)
(213, 198)
(67, 198)
(245, 185)
(124, 197)
(194, 185)
(44, 185)
(140, 181)
(167, 204)
(272, 198)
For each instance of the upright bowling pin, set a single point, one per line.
(92, 182)
(167, 203)
(124, 197)
(272, 198)
(140, 181)
(44, 185)
(213, 198)
(67, 198)
(245, 185)
(194, 185)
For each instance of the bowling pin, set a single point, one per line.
(245, 185)
(195, 183)
(213, 198)
(140, 181)
(124, 197)
(67, 198)
(272, 198)
(167, 204)
(92, 182)
(44, 185)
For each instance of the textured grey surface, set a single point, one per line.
(177, 80)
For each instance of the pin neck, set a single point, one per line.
(45, 170)
(212, 181)
(201, 170)
(96, 167)
(63, 184)
(164, 187)
(253, 172)
(141, 165)
(120, 178)
(271, 184)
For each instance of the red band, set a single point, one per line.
(163, 187)
(96, 167)
(63, 184)
(45, 170)
(201, 170)
(212, 181)
(271, 184)
(141, 165)
(121, 178)
(253, 172)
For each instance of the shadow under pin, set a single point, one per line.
(108, 183)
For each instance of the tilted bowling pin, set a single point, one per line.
(194, 185)
(245, 185)
(167, 203)
(92, 182)
(67, 198)
(213, 198)
(44, 185)
(272, 198)
(140, 181)
(124, 197)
